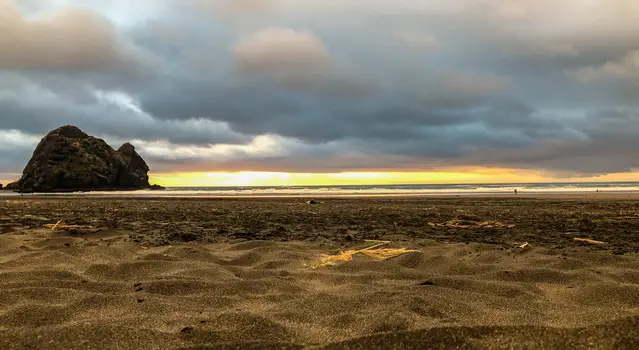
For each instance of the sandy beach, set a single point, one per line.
(486, 273)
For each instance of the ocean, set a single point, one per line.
(372, 190)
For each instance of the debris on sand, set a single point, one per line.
(590, 241)
(523, 245)
(458, 223)
(312, 202)
(373, 251)
(59, 226)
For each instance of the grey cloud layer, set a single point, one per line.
(349, 85)
(69, 39)
(293, 58)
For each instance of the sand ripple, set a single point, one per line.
(90, 292)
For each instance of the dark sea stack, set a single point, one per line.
(134, 174)
(67, 159)
(12, 186)
(157, 188)
(1, 186)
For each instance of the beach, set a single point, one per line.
(480, 272)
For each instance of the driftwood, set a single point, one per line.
(472, 224)
(59, 226)
(590, 241)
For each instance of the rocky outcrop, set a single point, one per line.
(1, 186)
(157, 188)
(134, 172)
(12, 186)
(67, 159)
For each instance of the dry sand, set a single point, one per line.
(134, 283)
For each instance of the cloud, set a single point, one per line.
(418, 40)
(36, 109)
(295, 58)
(260, 147)
(305, 85)
(604, 142)
(316, 117)
(461, 85)
(120, 13)
(227, 6)
(16, 148)
(626, 68)
(66, 39)
(12, 139)
(543, 50)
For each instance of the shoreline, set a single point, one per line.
(141, 196)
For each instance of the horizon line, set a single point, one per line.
(415, 184)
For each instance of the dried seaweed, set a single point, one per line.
(373, 251)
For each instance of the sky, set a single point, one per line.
(262, 92)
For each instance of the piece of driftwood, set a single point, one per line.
(56, 224)
(62, 227)
(591, 241)
(472, 224)
(523, 245)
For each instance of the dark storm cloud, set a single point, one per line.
(36, 111)
(438, 119)
(263, 85)
(607, 143)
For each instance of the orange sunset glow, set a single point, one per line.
(477, 176)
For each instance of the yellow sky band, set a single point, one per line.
(479, 175)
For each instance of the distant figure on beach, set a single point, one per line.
(597, 190)
(515, 191)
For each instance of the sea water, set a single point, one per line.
(372, 190)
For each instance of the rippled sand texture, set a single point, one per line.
(102, 290)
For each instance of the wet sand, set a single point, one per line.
(239, 273)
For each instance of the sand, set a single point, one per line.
(215, 274)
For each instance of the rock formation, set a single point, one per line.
(134, 172)
(67, 159)
(11, 186)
